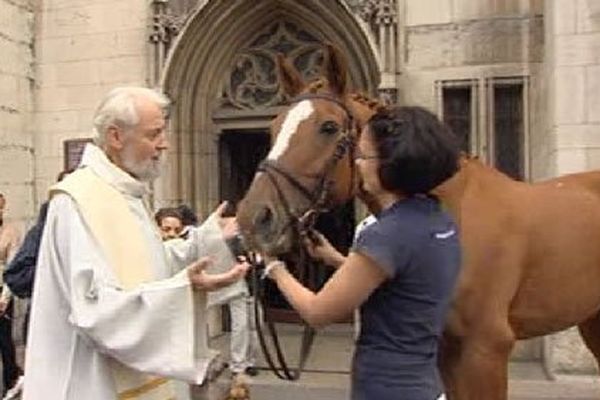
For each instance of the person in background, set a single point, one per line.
(402, 268)
(188, 218)
(10, 240)
(20, 273)
(169, 222)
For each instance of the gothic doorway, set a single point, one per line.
(219, 69)
(222, 76)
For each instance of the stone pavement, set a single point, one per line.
(327, 375)
(332, 386)
(563, 388)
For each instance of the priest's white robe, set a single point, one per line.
(83, 319)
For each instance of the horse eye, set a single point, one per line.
(329, 128)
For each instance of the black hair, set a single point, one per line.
(188, 216)
(167, 212)
(416, 150)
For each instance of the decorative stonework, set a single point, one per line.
(382, 18)
(375, 12)
(252, 83)
(165, 24)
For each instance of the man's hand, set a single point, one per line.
(229, 226)
(202, 281)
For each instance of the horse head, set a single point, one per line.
(310, 167)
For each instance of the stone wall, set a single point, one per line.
(573, 73)
(83, 49)
(16, 105)
(447, 41)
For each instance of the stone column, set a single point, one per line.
(385, 18)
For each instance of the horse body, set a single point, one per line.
(531, 266)
(531, 259)
(561, 269)
(532, 246)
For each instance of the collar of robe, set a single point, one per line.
(94, 158)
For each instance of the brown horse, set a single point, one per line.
(531, 255)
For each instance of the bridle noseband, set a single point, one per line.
(318, 197)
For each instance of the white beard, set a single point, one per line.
(146, 171)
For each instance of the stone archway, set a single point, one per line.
(208, 52)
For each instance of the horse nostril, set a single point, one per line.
(264, 218)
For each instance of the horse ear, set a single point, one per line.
(289, 77)
(334, 68)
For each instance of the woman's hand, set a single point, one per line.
(208, 282)
(321, 249)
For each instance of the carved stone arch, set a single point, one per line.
(202, 57)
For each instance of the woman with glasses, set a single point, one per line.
(402, 267)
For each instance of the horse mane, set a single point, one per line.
(372, 104)
(320, 84)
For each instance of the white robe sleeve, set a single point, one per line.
(149, 328)
(206, 240)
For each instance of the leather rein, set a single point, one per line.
(301, 226)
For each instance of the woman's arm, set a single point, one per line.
(345, 291)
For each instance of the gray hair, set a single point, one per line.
(119, 108)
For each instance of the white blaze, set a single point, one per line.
(299, 113)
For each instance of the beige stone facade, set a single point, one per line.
(16, 107)
(83, 48)
(214, 57)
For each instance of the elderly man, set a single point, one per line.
(109, 320)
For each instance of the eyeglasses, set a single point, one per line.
(360, 156)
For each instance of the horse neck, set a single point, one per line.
(451, 191)
(472, 177)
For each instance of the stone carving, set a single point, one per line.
(375, 12)
(252, 82)
(382, 18)
(165, 24)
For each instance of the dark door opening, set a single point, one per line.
(240, 152)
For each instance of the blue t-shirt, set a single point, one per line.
(417, 245)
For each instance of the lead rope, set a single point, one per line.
(282, 370)
(303, 224)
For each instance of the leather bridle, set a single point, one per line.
(319, 200)
(319, 196)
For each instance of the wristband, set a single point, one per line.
(270, 266)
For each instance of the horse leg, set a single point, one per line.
(590, 332)
(482, 368)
